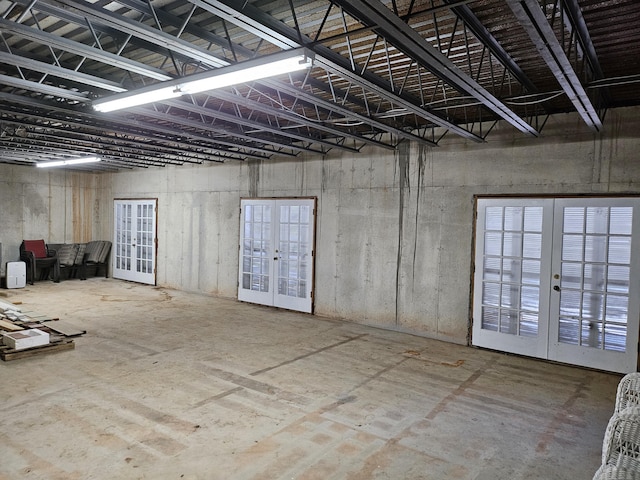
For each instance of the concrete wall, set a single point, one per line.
(395, 229)
(55, 205)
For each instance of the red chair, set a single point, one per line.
(37, 256)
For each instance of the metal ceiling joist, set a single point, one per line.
(51, 133)
(576, 18)
(145, 32)
(81, 49)
(275, 84)
(408, 41)
(49, 69)
(158, 133)
(334, 107)
(574, 13)
(487, 39)
(148, 112)
(535, 22)
(55, 150)
(250, 18)
(43, 88)
(149, 33)
(185, 48)
(251, 124)
(300, 120)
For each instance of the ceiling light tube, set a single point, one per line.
(287, 61)
(133, 99)
(71, 161)
(245, 75)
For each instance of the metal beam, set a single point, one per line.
(71, 46)
(334, 107)
(257, 106)
(145, 32)
(574, 13)
(126, 145)
(43, 88)
(275, 84)
(49, 69)
(252, 19)
(185, 48)
(157, 133)
(534, 21)
(150, 113)
(408, 41)
(487, 39)
(227, 117)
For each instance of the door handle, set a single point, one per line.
(556, 288)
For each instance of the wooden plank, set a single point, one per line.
(9, 306)
(65, 328)
(40, 317)
(8, 355)
(7, 325)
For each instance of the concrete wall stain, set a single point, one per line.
(402, 163)
(421, 169)
(34, 202)
(254, 177)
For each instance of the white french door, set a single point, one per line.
(555, 279)
(134, 241)
(276, 252)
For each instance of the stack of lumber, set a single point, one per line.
(14, 319)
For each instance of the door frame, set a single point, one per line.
(155, 239)
(477, 242)
(271, 299)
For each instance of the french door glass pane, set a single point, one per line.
(619, 250)
(490, 318)
(573, 220)
(294, 230)
(594, 295)
(533, 219)
(597, 219)
(255, 248)
(493, 218)
(511, 269)
(620, 220)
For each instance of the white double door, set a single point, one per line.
(134, 254)
(276, 252)
(558, 279)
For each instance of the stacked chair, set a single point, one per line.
(37, 256)
(621, 445)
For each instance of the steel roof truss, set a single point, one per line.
(543, 36)
(284, 36)
(407, 40)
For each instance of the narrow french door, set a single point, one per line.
(555, 278)
(276, 252)
(134, 241)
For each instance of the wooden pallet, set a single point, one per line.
(7, 354)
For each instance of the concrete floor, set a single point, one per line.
(171, 385)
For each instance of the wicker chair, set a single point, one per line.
(609, 472)
(621, 446)
(628, 394)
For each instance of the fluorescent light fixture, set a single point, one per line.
(71, 161)
(247, 74)
(280, 63)
(140, 98)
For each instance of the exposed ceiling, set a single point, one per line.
(383, 72)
